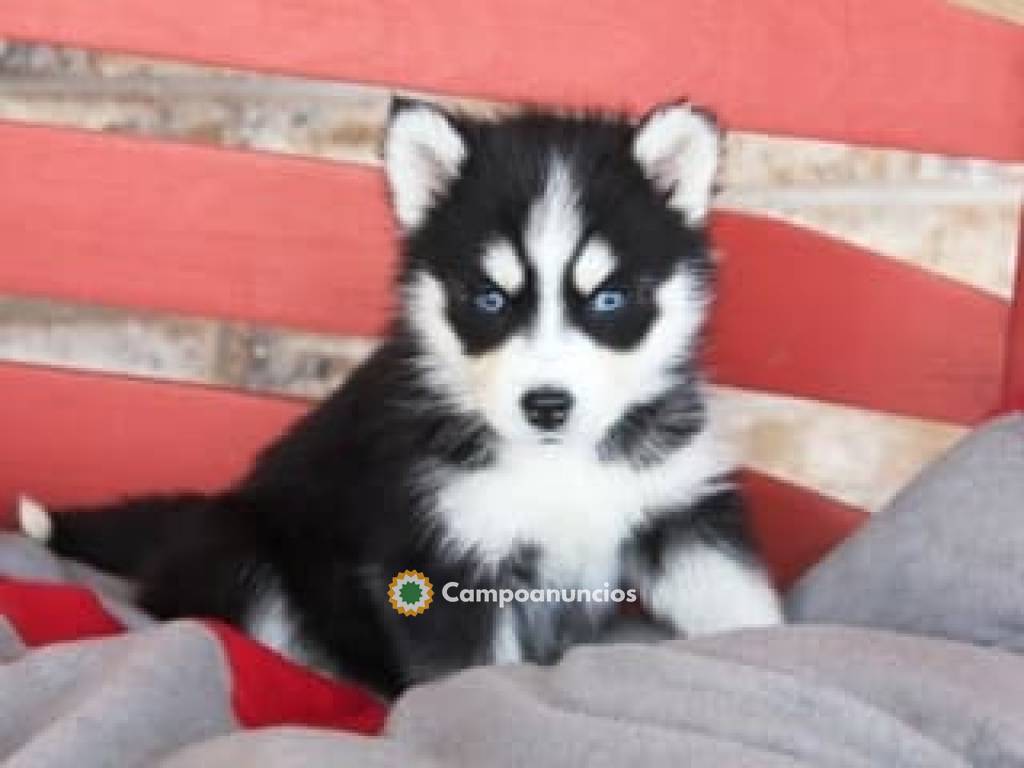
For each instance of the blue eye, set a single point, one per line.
(491, 302)
(608, 301)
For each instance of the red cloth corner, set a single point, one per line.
(53, 613)
(267, 689)
(270, 690)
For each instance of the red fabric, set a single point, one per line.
(53, 613)
(270, 690)
(266, 688)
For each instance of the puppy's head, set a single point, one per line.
(556, 270)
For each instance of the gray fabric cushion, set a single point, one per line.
(946, 557)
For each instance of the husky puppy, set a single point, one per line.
(534, 419)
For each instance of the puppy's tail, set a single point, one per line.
(116, 538)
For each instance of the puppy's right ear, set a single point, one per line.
(423, 152)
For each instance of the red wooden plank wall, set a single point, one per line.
(799, 313)
(310, 245)
(920, 74)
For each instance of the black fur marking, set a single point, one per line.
(650, 432)
(718, 521)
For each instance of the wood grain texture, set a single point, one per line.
(1010, 10)
(862, 458)
(167, 347)
(919, 73)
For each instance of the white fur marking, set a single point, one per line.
(704, 590)
(593, 266)
(553, 230)
(678, 150)
(507, 648)
(422, 154)
(270, 623)
(34, 520)
(501, 263)
(576, 508)
(446, 367)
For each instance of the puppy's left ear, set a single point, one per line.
(423, 152)
(678, 147)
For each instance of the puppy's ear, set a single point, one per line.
(423, 151)
(678, 148)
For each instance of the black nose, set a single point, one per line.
(547, 408)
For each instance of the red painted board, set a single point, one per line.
(915, 73)
(164, 226)
(74, 438)
(1013, 397)
(793, 526)
(803, 314)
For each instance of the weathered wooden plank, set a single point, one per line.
(199, 104)
(859, 457)
(264, 360)
(954, 216)
(917, 74)
(1010, 10)
(292, 243)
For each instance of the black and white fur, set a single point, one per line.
(541, 252)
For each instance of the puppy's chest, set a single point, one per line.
(573, 510)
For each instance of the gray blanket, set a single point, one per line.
(809, 695)
(797, 696)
